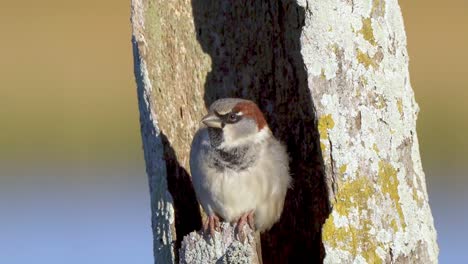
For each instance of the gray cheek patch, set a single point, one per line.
(243, 128)
(231, 132)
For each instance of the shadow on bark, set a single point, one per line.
(255, 51)
(186, 209)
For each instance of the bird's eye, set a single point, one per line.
(232, 117)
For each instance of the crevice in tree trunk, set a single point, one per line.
(256, 54)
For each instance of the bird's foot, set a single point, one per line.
(211, 225)
(246, 218)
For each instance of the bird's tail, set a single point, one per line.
(258, 244)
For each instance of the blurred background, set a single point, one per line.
(73, 187)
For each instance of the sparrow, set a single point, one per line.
(240, 171)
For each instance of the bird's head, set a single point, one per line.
(234, 122)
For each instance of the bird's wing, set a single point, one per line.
(199, 154)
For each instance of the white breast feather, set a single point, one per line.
(229, 194)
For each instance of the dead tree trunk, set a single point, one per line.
(332, 78)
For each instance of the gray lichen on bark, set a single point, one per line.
(225, 248)
(162, 209)
(357, 64)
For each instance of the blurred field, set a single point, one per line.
(70, 147)
(67, 86)
(73, 187)
(437, 40)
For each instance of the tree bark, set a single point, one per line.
(332, 79)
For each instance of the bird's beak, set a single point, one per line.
(211, 120)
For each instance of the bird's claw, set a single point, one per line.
(211, 225)
(251, 220)
(245, 218)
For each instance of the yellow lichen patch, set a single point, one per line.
(400, 105)
(343, 168)
(354, 239)
(344, 238)
(389, 182)
(394, 225)
(380, 102)
(322, 74)
(331, 234)
(375, 148)
(367, 31)
(353, 194)
(324, 124)
(354, 200)
(364, 59)
(323, 147)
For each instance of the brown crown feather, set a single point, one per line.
(250, 109)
